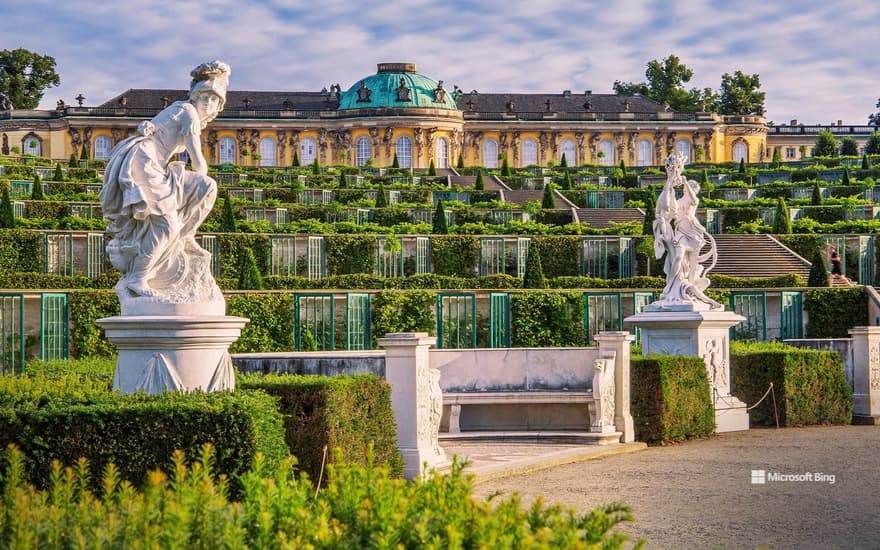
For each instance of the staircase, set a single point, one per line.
(756, 256)
(490, 183)
(602, 217)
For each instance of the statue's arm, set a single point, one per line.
(193, 145)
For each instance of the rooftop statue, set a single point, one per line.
(154, 205)
(680, 237)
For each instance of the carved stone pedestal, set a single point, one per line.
(167, 353)
(704, 334)
(866, 375)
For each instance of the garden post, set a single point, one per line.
(619, 342)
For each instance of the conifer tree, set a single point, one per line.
(72, 161)
(781, 221)
(249, 274)
(7, 213)
(59, 173)
(845, 180)
(395, 163)
(742, 165)
(548, 200)
(227, 220)
(563, 162)
(818, 273)
(866, 164)
(622, 167)
(316, 167)
(505, 167)
(534, 275)
(37, 189)
(381, 200)
(777, 158)
(459, 164)
(343, 181)
(816, 198)
(650, 215)
(440, 227)
(566, 180)
(706, 184)
(432, 171)
(84, 154)
(478, 184)
(295, 159)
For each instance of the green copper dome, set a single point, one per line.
(397, 85)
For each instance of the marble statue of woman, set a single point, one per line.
(680, 237)
(154, 205)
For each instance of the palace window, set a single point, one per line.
(308, 151)
(607, 150)
(568, 150)
(645, 153)
(363, 150)
(490, 153)
(442, 153)
(102, 147)
(789, 152)
(267, 152)
(404, 152)
(683, 146)
(529, 152)
(740, 151)
(227, 150)
(32, 146)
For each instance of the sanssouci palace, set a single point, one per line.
(398, 111)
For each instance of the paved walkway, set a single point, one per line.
(700, 494)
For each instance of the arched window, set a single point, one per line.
(102, 148)
(267, 152)
(363, 151)
(308, 151)
(683, 146)
(740, 151)
(227, 150)
(607, 150)
(442, 153)
(646, 153)
(490, 153)
(404, 152)
(568, 150)
(529, 152)
(31, 145)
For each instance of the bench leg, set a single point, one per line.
(454, 419)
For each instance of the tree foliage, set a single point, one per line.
(249, 274)
(440, 227)
(479, 185)
(548, 200)
(534, 275)
(25, 75)
(739, 94)
(872, 146)
(37, 189)
(849, 147)
(227, 220)
(826, 144)
(7, 212)
(874, 118)
(818, 274)
(781, 221)
(665, 83)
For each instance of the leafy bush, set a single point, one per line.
(546, 319)
(396, 311)
(810, 386)
(347, 254)
(671, 398)
(454, 255)
(833, 311)
(271, 321)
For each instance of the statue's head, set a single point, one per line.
(212, 77)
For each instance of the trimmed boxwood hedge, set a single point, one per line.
(671, 398)
(810, 386)
(831, 312)
(351, 413)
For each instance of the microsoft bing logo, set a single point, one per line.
(759, 477)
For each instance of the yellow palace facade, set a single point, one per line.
(400, 112)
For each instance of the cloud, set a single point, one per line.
(816, 59)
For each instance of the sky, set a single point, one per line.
(818, 61)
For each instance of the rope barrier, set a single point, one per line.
(770, 390)
(766, 393)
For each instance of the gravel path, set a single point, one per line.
(700, 494)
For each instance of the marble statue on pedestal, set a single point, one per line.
(173, 333)
(680, 237)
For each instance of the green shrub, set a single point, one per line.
(546, 319)
(818, 272)
(69, 417)
(454, 254)
(396, 311)
(534, 275)
(440, 226)
(346, 412)
(7, 213)
(671, 398)
(348, 254)
(271, 321)
(20, 251)
(810, 386)
(781, 221)
(361, 507)
(86, 307)
(548, 199)
(559, 254)
(833, 311)
(248, 272)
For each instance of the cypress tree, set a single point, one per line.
(343, 182)
(478, 184)
(706, 185)
(432, 171)
(227, 220)
(777, 158)
(84, 155)
(650, 215)
(623, 167)
(440, 227)
(818, 273)
(72, 162)
(37, 189)
(566, 181)
(295, 158)
(395, 163)
(7, 213)
(381, 200)
(866, 164)
(59, 173)
(505, 167)
(816, 198)
(781, 221)
(534, 275)
(549, 199)
(459, 164)
(563, 162)
(316, 167)
(248, 274)
(845, 180)
(742, 165)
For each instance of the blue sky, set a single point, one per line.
(819, 61)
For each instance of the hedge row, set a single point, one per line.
(671, 398)
(810, 386)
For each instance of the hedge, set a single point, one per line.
(352, 413)
(72, 417)
(454, 254)
(671, 398)
(831, 312)
(546, 319)
(271, 321)
(810, 386)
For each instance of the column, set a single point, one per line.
(619, 343)
(866, 374)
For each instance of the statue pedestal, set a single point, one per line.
(166, 353)
(705, 334)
